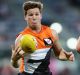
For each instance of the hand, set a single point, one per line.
(62, 55)
(70, 56)
(66, 56)
(16, 53)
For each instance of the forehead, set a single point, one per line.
(33, 10)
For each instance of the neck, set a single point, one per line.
(36, 29)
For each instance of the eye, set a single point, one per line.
(30, 15)
(36, 14)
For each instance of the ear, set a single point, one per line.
(25, 17)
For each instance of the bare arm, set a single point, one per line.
(59, 51)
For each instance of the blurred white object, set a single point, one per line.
(71, 43)
(57, 27)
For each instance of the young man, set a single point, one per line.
(37, 62)
(78, 45)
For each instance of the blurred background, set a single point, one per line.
(61, 15)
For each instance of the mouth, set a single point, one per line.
(34, 23)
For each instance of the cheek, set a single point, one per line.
(28, 19)
(40, 17)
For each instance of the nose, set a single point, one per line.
(34, 17)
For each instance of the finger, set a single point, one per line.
(72, 57)
(16, 53)
(62, 55)
(18, 50)
(12, 46)
(21, 52)
(69, 53)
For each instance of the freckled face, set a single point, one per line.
(33, 17)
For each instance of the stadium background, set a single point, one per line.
(63, 12)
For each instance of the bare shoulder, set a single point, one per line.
(54, 33)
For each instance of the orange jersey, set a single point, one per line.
(44, 40)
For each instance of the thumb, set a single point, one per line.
(71, 58)
(69, 53)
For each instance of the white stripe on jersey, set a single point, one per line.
(30, 67)
(37, 55)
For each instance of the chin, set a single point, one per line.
(33, 27)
